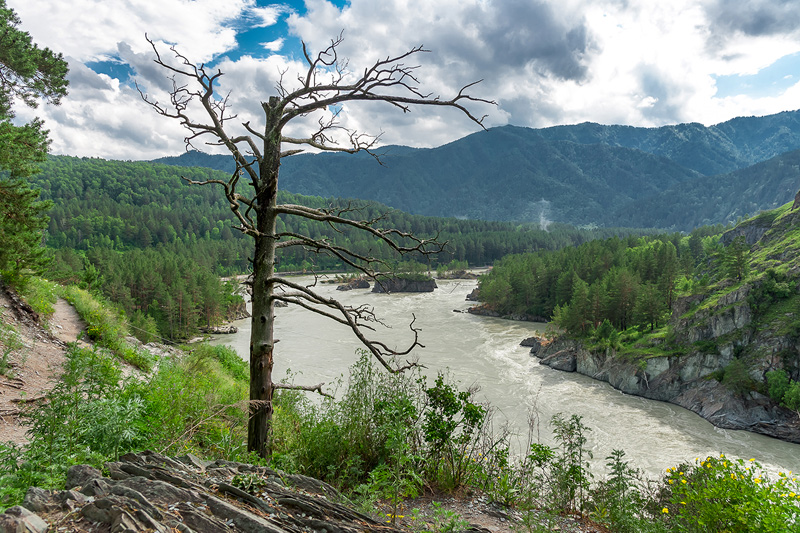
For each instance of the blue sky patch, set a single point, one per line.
(769, 81)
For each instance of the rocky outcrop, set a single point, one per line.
(752, 231)
(390, 285)
(219, 330)
(459, 274)
(684, 380)
(485, 310)
(237, 311)
(358, 283)
(150, 492)
(796, 203)
(474, 295)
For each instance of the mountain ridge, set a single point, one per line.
(579, 174)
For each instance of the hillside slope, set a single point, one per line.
(715, 355)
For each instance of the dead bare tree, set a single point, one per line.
(252, 189)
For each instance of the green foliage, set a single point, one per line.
(106, 327)
(774, 287)
(10, 342)
(22, 224)
(452, 421)
(28, 73)
(791, 397)
(195, 403)
(736, 377)
(736, 259)
(620, 500)
(39, 293)
(627, 281)
(570, 466)
(721, 494)
(777, 384)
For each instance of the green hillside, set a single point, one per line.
(708, 321)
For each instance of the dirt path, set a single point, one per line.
(35, 367)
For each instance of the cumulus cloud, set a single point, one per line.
(754, 17)
(544, 62)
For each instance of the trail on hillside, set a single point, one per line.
(34, 368)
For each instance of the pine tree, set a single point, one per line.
(27, 73)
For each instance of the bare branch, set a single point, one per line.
(354, 318)
(307, 388)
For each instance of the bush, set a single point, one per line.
(720, 494)
(736, 378)
(777, 384)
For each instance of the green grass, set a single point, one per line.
(106, 326)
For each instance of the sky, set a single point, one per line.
(544, 62)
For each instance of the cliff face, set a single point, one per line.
(753, 325)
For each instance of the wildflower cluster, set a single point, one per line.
(722, 494)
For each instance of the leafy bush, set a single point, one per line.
(721, 494)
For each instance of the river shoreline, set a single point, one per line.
(484, 352)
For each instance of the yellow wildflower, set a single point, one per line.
(665, 510)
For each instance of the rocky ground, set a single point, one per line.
(150, 492)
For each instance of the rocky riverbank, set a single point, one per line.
(683, 380)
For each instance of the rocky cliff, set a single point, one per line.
(753, 325)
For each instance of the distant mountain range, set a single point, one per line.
(674, 177)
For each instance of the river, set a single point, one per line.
(485, 352)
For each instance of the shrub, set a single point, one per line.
(720, 494)
(777, 384)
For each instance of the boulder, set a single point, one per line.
(389, 285)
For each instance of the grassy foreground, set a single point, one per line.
(385, 438)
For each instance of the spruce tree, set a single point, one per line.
(27, 73)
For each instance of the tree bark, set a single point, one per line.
(262, 341)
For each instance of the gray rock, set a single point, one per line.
(565, 360)
(31, 523)
(11, 524)
(39, 500)
(80, 475)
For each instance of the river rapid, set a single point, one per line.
(485, 352)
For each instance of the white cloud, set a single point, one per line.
(274, 46)
(545, 62)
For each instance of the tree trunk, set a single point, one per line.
(261, 349)
(262, 342)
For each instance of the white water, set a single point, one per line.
(485, 351)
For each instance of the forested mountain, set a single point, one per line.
(580, 174)
(718, 199)
(718, 149)
(156, 245)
